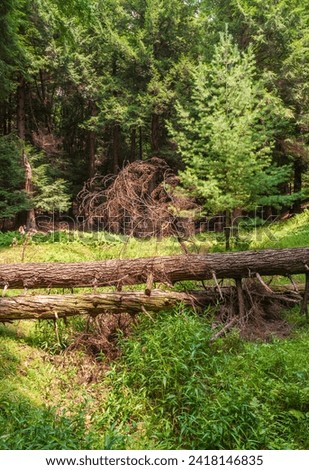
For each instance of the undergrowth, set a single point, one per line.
(171, 388)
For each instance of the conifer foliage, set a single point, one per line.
(226, 134)
(217, 89)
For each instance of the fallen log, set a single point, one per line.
(166, 269)
(36, 307)
(28, 307)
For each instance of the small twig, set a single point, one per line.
(249, 295)
(226, 328)
(147, 313)
(183, 246)
(217, 284)
(56, 328)
(304, 305)
(277, 297)
(5, 288)
(293, 283)
(266, 287)
(241, 300)
(270, 281)
(149, 284)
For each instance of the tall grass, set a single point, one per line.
(171, 387)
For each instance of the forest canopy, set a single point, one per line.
(219, 90)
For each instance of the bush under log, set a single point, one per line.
(165, 269)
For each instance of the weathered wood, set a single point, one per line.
(149, 284)
(241, 300)
(60, 306)
(169, 269)
(304, 306)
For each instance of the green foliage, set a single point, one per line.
(26, 422)
(12, 198)
(291, 233)
(55, 338)
(226, 137)
(50, 192)
(172, 389)
(27, 427)
(8, 238)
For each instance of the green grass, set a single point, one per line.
(293, 232)
(35, 412)
(83, 246)
(171, 388)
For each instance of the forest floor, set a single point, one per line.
(163, 384)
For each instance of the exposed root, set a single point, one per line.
(100, 340)
(263, 311)
(140, 201)
(259, 317)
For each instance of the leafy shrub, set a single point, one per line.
(8, 238)
(28, 427)
(232, 395)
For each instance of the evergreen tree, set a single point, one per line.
(278, 31)
(226, 136)
(12, 198)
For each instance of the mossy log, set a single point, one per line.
(166, 269)
(27, 307)
(31, 307)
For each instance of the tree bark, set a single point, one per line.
(21, 129)
(298, 169)
(116, 148)
(92, 143)
(60, 306)
(140, 140)
(133, 145)
(166, 269)
(155, 133)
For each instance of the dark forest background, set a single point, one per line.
(214, 87)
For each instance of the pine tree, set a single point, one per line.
(226, 136)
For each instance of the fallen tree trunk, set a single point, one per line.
(27, 307)
(166, 269)
(45, 307)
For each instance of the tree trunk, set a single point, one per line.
(21, 117)
(116, 148)
(166, 269)
(45, 307)
(140, 143)
(3, 118)
(298, 169)
(227, 230)
(91, 151)
(92, 143)
(59, 306)
(21, 129)
(155, 133)
(133, 145)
